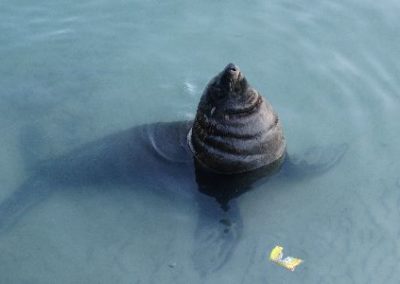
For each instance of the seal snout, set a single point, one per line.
(232, 71)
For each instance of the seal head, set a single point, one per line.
(235, 129)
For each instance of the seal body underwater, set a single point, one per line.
(235, 140)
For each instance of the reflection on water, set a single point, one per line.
(72, 73)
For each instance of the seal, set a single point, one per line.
(236, 129)
(235, 141)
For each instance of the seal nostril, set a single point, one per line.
(232, 68)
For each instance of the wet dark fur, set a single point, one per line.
(235, 129)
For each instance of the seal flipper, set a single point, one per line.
(314, 161)
(25, 197)
(33, 190)
(217, 234)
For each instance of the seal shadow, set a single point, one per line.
(155, 154)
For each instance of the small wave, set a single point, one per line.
(191, 88)
(52, 34)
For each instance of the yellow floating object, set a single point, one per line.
(288, 262)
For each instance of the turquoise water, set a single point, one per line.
(73, 72)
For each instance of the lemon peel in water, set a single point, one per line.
(288, 262)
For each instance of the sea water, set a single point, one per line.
(74, 71)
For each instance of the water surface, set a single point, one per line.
(73, 72)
